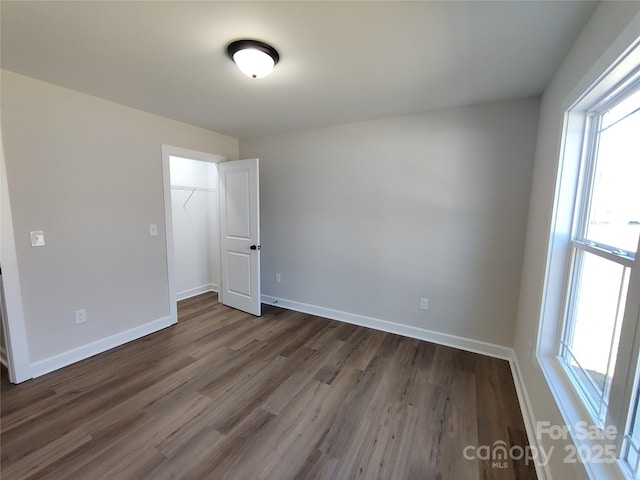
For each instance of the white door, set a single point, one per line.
(240, 234)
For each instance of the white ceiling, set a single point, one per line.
(340, 61)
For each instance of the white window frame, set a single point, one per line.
(572, 407)
(634, 391)
(581, 245)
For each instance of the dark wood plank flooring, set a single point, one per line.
(285, 396)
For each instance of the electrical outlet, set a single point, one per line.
(278, 278)
(424, 304)
(153, 230)
(81, 316)
(37, 238)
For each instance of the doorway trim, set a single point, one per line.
(13, 323)
(167, 152)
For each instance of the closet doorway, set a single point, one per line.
(217, 236)
(196, 226)
(192, 222)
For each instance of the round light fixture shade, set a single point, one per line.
(254, 58)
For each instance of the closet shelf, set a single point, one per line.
(197, 189)
(193, 190)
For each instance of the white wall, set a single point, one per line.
(365, 218)
(88, 172)
(609, 32)
(196, 231)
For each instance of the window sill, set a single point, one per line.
(582, 427)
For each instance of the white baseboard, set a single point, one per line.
(192, 292)
(75, 355)
(468, 344)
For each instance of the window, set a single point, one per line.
(602, 259)
(604, 247)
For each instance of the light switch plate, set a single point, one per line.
(424, 304)
(37, 238)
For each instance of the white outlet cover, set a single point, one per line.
(81, 316)
(153, 230)
(37, 238)
(424, 304)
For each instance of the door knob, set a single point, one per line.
(255, 247)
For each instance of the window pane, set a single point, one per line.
(614, 216)
(591, 340)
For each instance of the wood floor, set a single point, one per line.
(285, 396)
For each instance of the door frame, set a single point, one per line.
(13, 324)
(167, 152)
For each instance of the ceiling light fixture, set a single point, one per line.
(254, 58)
